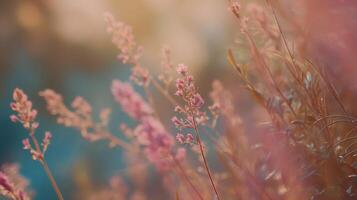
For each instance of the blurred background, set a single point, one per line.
(63, 45)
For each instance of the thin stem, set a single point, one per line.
(204, 157)
(52, 179)
(46, 168)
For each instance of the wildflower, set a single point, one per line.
(197, 101)
(80, 118)
(130, 51)
(12, 184)
(180, 138)
(81, 106)
(235, 8)
(56, 106)
(177, 122)
(140, 76)
(186, 89)
(26, 115)
(35, 154)
(5, 185)
(189, 138)
(182, 69)
(131, 102)
(157, 142)
(26, 144)
(165, 76)
(184, 139)
(124, 40)
(46, 141)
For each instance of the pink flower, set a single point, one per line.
(182, 69)
(197, 101)
(157, 142)
(124, 40)
(13, 118)
(176, 121)
(184, 139)
(81, 106)
(79, 118)
(131, 102)
(46, 141)
(23, 107)
(180, 138)
(26, 144)
(193, 101)
(12, 184)
(151, 132)
(5, 184)
(235, 8)
(189, 138)
(140, 75)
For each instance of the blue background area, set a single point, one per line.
(67, 147)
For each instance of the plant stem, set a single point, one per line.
(46, 168)
(204, 158)
(52, 179)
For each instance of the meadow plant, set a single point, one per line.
(304, 148)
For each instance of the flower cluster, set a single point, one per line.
(27, 115)
(130, 51)
(235, 8)
(150, 132)
(165, 77)
(157, 141)
(23, 107)
(80, 118)
(185, 139)
(13, 185)
(193, 101)
(131, 102)
(123, 38)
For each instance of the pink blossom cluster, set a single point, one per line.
(150, 132)
(185, 139)
(157, 141)
(193, 102)
(130, 51)
(79, 117)
(165, 77)
(123, 38)
(12, 185)
(235, 8)
(27, 115)
(37, 153)
(131, 102)
(23, 107)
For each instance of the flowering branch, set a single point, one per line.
(186, 89)
(26, 115)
